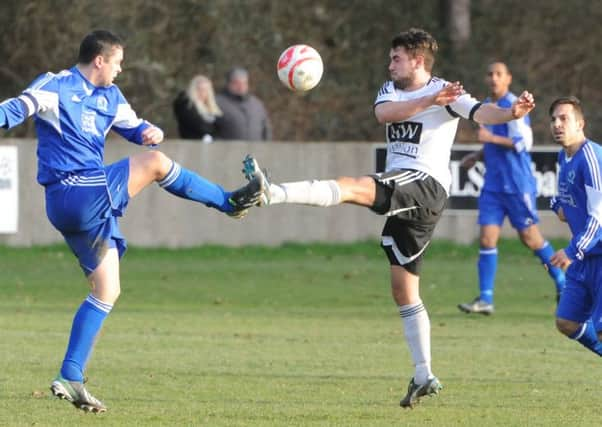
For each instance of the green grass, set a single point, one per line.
(290, 336)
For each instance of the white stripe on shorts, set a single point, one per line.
(401, 258)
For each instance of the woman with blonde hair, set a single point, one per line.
(196, 110)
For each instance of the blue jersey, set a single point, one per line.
(72, 119)
(508, 170)
(580, 197)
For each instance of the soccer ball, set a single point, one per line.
(300, 68)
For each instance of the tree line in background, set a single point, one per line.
(551, 48)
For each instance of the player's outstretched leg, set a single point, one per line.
(189, 185)
(416, 391)
(251, 171)
(76, 393)
(246, 197)
(312, 192)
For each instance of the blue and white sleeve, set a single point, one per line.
(13, 112)
(590, 236)
(519, 131)
(41, 96)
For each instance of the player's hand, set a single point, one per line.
(152, 135)
(448, 94)
(469, 160)
(523, 105)
(559, 259)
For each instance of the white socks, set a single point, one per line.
(417, 328)
(316, 193)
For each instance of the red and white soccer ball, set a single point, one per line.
(300, 68)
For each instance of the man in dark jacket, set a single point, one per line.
(244, 115)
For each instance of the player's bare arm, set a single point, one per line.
(469, 160)
(484, 135)
(390, 112)
(491, 114)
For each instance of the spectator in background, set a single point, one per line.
(244, 115)
(196, 110)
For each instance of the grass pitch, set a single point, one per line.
(290, 336)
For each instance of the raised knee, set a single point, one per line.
(158, 158)
(159, 163)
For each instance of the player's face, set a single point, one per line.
(402, 67)
(498, 79)
(566, 127)
(111, 66)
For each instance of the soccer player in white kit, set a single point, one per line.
(421, 114)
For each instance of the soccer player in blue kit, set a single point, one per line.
(509, 190)
(579, 203)
(74, 110)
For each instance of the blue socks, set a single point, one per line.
(544, 254)
(587, 337)
(86, 324)
(487, 269)
(488, 266)
(188, 185)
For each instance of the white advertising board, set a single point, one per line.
(9, 189)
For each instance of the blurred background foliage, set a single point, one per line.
(552, 48)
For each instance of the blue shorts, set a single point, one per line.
(84, 207)
(520, 209)
(581, 297)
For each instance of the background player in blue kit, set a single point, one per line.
(579, 203)
(74, 110)
(509, 190)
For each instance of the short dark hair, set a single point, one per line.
(417, 41)
(570, 100)
(98, 42)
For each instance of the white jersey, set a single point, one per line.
(423, 142)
